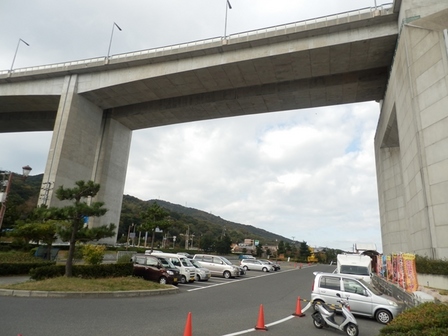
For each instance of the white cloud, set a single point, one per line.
(308, 173)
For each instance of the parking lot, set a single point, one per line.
(218, 307)
(220, 281)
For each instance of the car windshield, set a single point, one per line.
(186, 262)
(195, 263)
(358, 270)
(372, 288)
(226, 261)
(165, 262)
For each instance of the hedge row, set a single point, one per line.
(22, 268)
(84, 271)
(427, 319)
(424, 265)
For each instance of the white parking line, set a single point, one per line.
(267, 325)
(238, 280)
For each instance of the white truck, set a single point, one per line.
(355, 264)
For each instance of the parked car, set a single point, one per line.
(185, 254)
(202, 273)
(364, 299)
(151, 268)
(242, 270)
(218, 266)
(272, 263)
(149, 252)
(182, 263)
(169, 266)
(245, 256)
(256, 265)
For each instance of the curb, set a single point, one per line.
(118, 294)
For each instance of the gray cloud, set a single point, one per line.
(308, 174)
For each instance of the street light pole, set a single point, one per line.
(15, 54)
(228, 6)
(26, 172)
(111, 35)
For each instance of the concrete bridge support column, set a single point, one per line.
(411, 143)
(87, 145)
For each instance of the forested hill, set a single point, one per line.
(199, 216)
(24, 194)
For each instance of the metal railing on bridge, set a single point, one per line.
(323, 21)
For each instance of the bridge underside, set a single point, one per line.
(345, 61)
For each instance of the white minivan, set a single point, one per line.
(186, 269)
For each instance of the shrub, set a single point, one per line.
(17, 263)
(93, 254)
(427, 319)
(84, 271)
(425, 265)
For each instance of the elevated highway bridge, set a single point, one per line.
(388, 54)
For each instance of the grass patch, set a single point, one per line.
(65, 284)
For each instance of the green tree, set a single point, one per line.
(72, 217)
(37, 227)
(259, 250)
(304, 251)
(223, 245)
(155, 217)
(281, 248)
(207, 243)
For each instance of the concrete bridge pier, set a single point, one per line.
(87, 145)
(411, 143)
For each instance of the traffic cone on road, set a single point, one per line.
(188, 331)
(298, 309)
(260, 323)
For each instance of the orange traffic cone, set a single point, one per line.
(298, 309)
(187, 331)
(260, 324)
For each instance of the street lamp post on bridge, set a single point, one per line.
(15, 54)
(111, 35)
(228, 6)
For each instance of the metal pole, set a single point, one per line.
(15, 54)
(111, 35)
(228, 6)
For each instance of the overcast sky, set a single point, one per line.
(308, 175)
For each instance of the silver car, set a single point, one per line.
(218, 266)
(202, 273)
(364, 299)
(256, 265)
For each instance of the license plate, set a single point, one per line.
(175, 280)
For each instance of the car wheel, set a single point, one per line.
(383, 316)
(162, 281)
(265, 269)
(227, 274)
(246, 268)
(198, 277)
(183, 279)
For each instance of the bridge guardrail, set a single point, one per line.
(359, 13)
